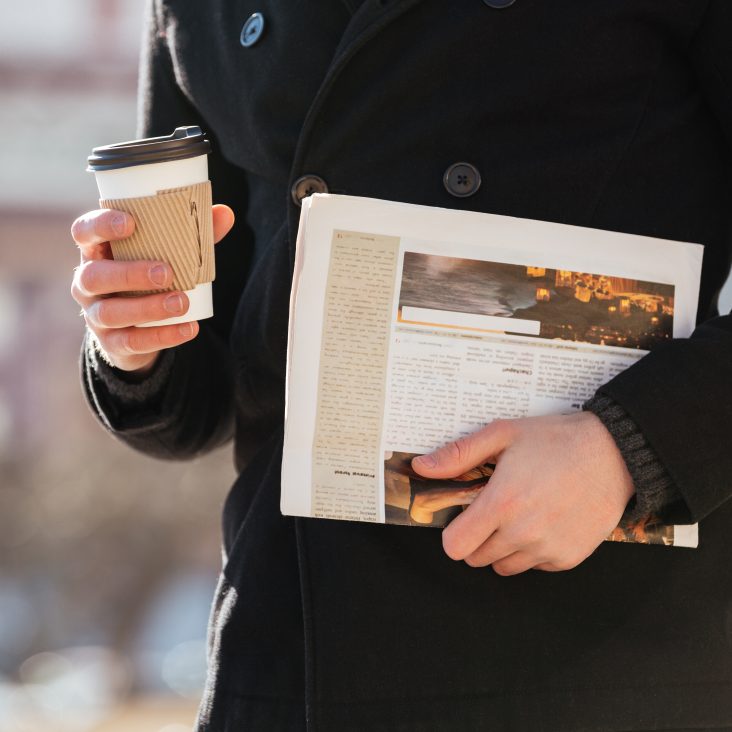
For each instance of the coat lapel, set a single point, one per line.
(368, 21)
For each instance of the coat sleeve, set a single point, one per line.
(680, 395)
(186, 406)
(655, 492)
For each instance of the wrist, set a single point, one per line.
(133, 368)
(139, 373)
(601, 440)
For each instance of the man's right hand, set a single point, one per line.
(112, 319)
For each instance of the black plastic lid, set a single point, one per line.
(185, 142)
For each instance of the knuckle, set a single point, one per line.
(123, 342)
(475, 561)
(503, 569)
(508, 504)
(97, 313)
(566, 563)
(154, 337)
(87, 279)
(75, 292)
(79, 228)
(116, 341)
(556, 562)
(451, 544)
(74, 231)
(458, 450)
(514, 565)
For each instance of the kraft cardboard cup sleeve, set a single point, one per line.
(163, 183)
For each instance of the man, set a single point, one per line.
(613, 115)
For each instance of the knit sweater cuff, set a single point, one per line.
(125, 388)
(655, 490)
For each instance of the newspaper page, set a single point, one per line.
(412, 325)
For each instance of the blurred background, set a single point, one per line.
(108, 559)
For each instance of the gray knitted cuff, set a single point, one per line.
(654, 487)
(129, 390)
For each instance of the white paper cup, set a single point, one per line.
(142, 168)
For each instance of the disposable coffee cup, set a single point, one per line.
(148, 178)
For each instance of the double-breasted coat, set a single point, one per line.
(615, 115)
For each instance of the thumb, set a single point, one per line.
(465, 453)
(223, 220)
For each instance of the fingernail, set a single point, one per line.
(426, 461)
(173, 303)
(119, 224)
(159, 275)
(186, 329)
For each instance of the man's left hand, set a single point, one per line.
(560, 487)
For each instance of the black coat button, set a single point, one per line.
(461, 180)
(306, 186)
(499, 4)
(252, 30)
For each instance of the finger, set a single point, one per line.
(465, 453)
(497, 506)
(127, 342)
(514, 564)
(472, 528)
(122, 312)
(496, 547)
(101, 225)
(106, 277)
(558, 565)
(223, 220)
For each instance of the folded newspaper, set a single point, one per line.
(412, 325)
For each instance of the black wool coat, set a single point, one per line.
(615, 115)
